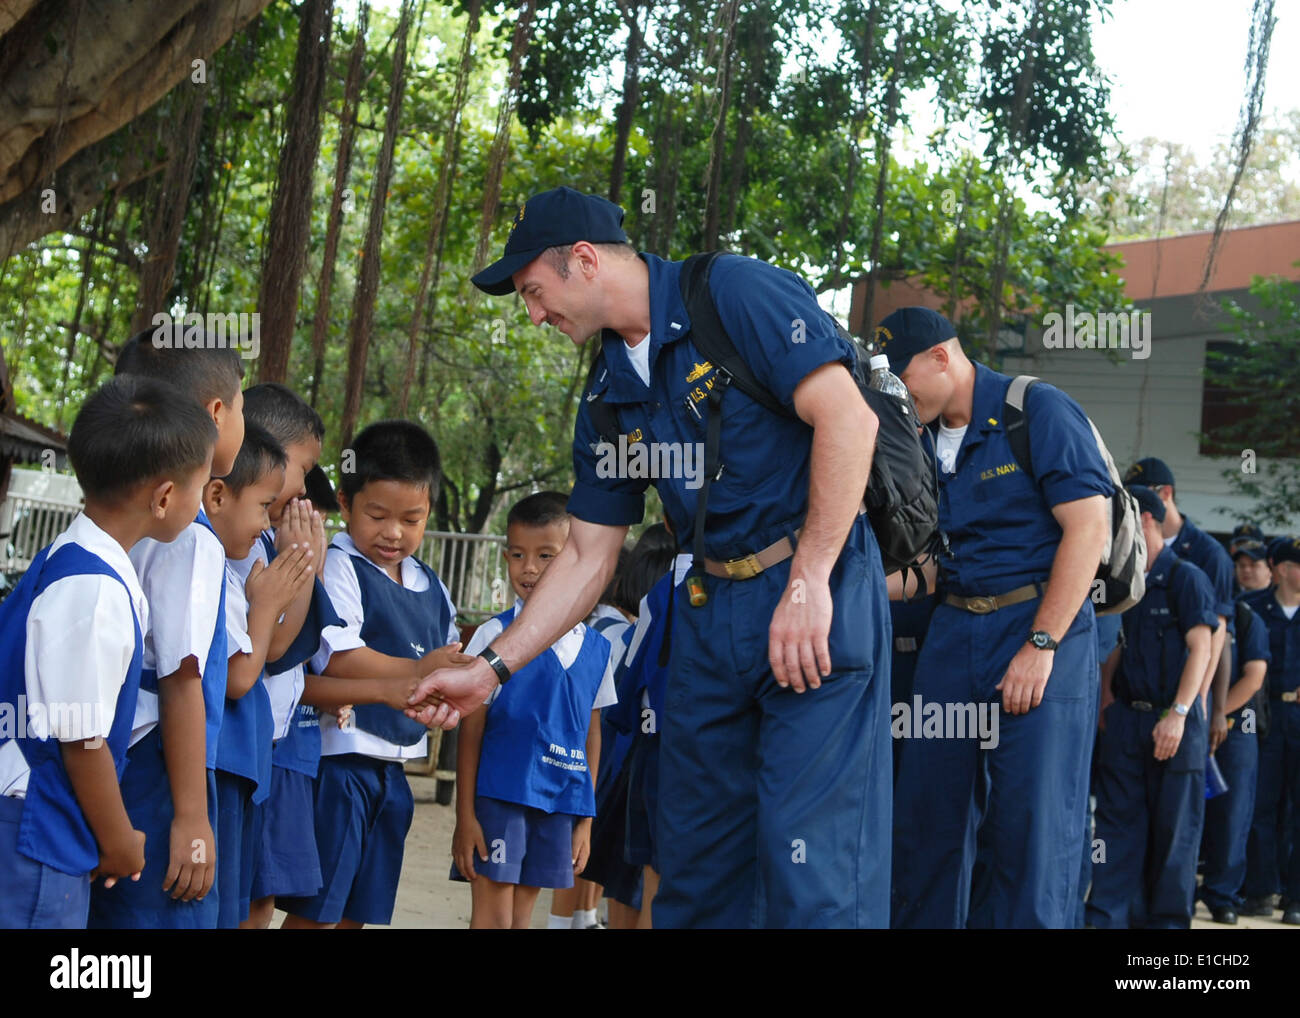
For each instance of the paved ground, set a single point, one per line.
(426, 899)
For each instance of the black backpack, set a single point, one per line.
(901, 498)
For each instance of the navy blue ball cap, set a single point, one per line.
(1151, 472)
(909, 331)
(1148, 501)
(1256, 550)
(1284, 549)
(1243, 532)
(553, 218)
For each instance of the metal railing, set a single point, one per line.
(27, 525)
(469, 564)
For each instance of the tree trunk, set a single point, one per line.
(334, 222)
(289, 226)
(363, 300)
(500, 142)
(173, 195)
(631, 92)
(718, 153)
(433, 243)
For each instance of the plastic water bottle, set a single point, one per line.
(884, 380)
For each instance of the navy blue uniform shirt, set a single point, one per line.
(780, 331)
(998, 521)
(1283, 642)
(1156, 628)
(1251, 645)
(1194, 545)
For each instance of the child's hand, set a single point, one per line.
(295, 526)
(320, 540)
(581, 844)
(443, 657)
(193, 864)
(467, 838)
(277, 585)
(120, 860)
(398, 692)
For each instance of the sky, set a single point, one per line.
(1177, 67)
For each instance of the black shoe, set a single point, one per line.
(1224, 914)
(1257, 906)
(1292, 916)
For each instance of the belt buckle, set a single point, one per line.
(1142, 705)
(1290, 697)
(744, 568)
(981, 605)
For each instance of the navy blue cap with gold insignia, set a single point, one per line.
(554, 218)
(1150, 471)
(900, 336)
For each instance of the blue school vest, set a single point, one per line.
(214, 670)
(299, 750)
(244, 744)
(643, 672)
(53, 830)
(535, 738)
(400, 623)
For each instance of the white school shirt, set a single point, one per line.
(80, 639)
(566, 649)
(340, 582)
(617, 634)
(182, 581)
(681, 566)
(284, 689)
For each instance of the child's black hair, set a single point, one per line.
(391, 451)
(652, 556)
(539, 509)
(259, 455)
(135, 429)
(283, 413)
(204, 370)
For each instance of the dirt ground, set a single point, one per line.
(426, 899)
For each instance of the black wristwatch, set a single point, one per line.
(1041, 639)
(494, 660)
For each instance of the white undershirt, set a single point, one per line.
(1289, 609)
(639, 355)
(946, 446)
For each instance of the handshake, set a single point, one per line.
(453, 685)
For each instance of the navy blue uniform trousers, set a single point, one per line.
(1227, 819)
(1019, 806)
(774, 806)
(1149, 818)
(1271, 868)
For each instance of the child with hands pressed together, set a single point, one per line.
(526, 767)
(256, 598)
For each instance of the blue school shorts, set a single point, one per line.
(143, 904)
(286, 861)
(236, 846)
(525, 845)
(34, 896)
(363, 809)
(642, 848)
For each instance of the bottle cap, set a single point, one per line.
(879, 361)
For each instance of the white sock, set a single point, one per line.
(583, 917)
(559, 922)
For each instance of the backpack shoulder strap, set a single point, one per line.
(1170, 599)
(709, 336)
(604, 418)
(1015, 420)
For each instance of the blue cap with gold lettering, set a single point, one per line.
(908, 331)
